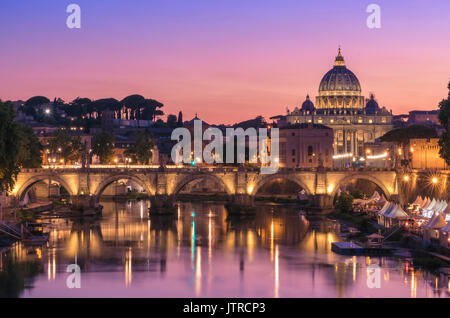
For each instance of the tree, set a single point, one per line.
(345, 202)
(151, 109)
(103, 146)
(180, 119)
(444, 118)
(37, 101)
(141, 152)
(403, 135)
(30, 149)
(9, 147)
(66, 146)
(135, 103)
(101, 105)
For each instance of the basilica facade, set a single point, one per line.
(341, 106)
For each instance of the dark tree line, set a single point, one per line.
(19, 147)
(88, 112)
(444, 118)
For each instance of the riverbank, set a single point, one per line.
(423, 254)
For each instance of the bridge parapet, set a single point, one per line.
(170, 179)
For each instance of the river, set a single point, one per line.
(277, 253)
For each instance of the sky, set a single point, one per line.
(227, 60)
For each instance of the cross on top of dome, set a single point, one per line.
(339, 61)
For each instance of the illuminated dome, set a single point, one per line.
(339, 78)
(308, 105)
(339, 88)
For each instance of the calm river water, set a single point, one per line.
(278, 253)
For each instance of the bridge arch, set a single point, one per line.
(39, 178)
(113, 178)
(356, 176)
(189, 178)
(264, 180)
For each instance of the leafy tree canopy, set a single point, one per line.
(9, 147)
(172, 121)
(141, 152)
(133, 101)
(345, 202)
(30, 149)
(444, 118)
(103, 146)
(37, 101)
(105, 104)
(68, 147)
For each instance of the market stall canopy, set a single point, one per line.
(443, 206)
(375, 236)
(375, 196)
(397, 213)
(446, 210)
(436, 222)
(446, 228)
(426, 203)
(385, 208)
(418, 201)
(431, 205)
(382, 200)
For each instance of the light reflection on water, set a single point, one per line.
(278, 253)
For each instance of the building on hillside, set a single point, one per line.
(306, 146)
(424, 117)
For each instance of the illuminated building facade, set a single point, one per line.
(306, 146)
(341, 107)
(424, 154)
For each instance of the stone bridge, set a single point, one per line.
(86, 185)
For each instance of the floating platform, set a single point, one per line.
(353, 249)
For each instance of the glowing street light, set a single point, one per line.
(434, 180)
(406, 178)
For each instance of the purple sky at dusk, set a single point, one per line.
(226, 60)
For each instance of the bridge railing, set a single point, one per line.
(183, 169)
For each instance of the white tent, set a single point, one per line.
(389, 209)
(425, 203)
(446, 210)
(442, 206)
(418, 200)
(382, 200)
(446, 228)
(385, 207)
(375, 196)
(397, 213)
(431, 205)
